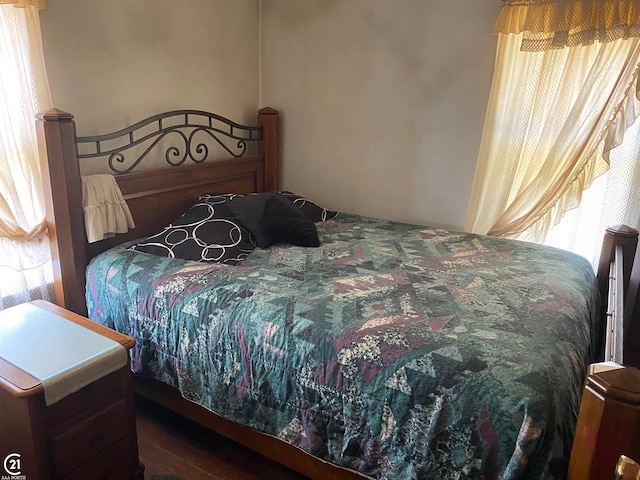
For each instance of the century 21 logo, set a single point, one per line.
(12, 464)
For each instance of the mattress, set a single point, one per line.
(396, 350)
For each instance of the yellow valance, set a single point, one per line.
(39, 4)
(548, 24)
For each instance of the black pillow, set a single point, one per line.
(208, 232)
(283, 222)
(271, 218)
(311, 209)
(249, 209)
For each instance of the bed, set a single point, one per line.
(388, 351)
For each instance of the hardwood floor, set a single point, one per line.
(171, 444)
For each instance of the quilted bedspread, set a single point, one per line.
(399, 351)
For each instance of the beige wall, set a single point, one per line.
(383, 101)
(113, 62)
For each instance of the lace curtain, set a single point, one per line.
(25, 270)
(549, 24)
(553, 115)
(39, 4)
(581, 228)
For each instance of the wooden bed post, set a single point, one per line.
(608, 424)
(268, 119)
(622, 235)
(62, 187)
(627, 238)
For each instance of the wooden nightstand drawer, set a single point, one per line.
(88, 439)
(115, 463)
(80, 403)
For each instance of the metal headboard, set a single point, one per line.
(184, 125)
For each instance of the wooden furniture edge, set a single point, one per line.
(23, 384)
(28, 385)
(269, 120)
(608, 424)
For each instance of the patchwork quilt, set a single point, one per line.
(396, 350)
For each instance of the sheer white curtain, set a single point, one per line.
(561, 99)
(25, 270)
(612, 199)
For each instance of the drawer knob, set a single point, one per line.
(97, 441)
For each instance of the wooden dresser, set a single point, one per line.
(89, 434)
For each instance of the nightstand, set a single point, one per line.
(84, 435)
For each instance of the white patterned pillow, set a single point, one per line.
(311, 209)
(207, 232)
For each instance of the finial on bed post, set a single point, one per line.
(268, 119)
(63, 202)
